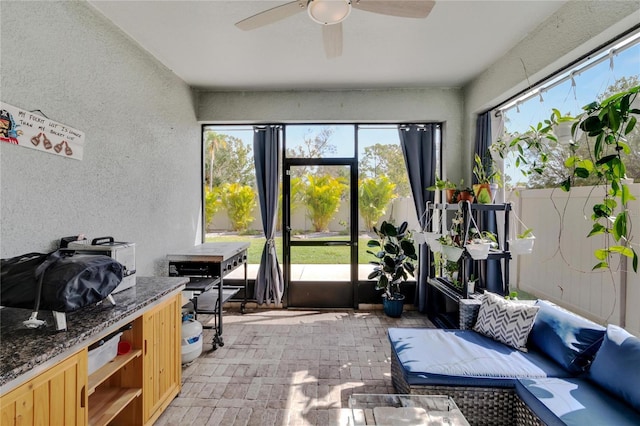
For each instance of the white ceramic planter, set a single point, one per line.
(452, 253)
(431, 238)
(478, 251)
(522, 245)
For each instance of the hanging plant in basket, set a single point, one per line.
(394, 263)
(523, 243)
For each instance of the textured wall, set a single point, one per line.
(574, 30)
(140, 175)
(344, 106)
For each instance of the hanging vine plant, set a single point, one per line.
(605, 125)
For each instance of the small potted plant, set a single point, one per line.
(394, 262)
(446, 186)
(523, 243)
(483, 172)
(463, 193)
(479, 244)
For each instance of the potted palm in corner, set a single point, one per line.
(394, 260)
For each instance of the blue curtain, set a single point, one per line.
(419, 151)
(269, 282)
(489, 272)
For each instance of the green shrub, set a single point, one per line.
(212, 203)
(322, 196)
(239, 201)
(374, 195)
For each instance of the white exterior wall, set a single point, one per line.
(140, 177)
(559, 269)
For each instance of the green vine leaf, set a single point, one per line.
(601, 254)
(597, 229)
(601, 265)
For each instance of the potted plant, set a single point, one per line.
(394, 262)
(479, 243)
(463, 193)
(485, 174)
(523, 243)
(453, 241)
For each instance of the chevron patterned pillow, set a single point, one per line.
(506, 321)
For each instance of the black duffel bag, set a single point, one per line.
(63, 281)
(18, 282)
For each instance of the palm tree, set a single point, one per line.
(213, 142)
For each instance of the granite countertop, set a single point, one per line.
(23, 350)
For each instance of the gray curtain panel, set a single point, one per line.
(419, 150)
(269, 282)
(489, 272)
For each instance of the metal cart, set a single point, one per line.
(206, 266)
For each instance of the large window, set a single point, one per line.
(613, 69)
(232, 211)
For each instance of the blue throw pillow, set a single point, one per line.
(567, 338)
(616, 366)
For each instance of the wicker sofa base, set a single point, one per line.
(480, 405)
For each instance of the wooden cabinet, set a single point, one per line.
(132, 389)
(56, 397)
(161, 357)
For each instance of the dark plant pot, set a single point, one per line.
(393, 307)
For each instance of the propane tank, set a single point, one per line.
(191, 338)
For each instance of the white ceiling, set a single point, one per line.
(198, 41)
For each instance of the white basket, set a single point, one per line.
(101, 355)
(478, 251)
(452, 253)
(432, 240)
(522, 245)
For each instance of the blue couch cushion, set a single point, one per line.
(616, 366)
(565, 337)
(464, 358)
(574, 401)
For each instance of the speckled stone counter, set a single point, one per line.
(25, 352)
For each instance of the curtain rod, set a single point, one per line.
(598, 50)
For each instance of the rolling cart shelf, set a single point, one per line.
(207, 265)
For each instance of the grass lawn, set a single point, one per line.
(304, 255)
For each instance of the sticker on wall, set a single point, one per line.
(30, 130)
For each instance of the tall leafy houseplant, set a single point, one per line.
(393, 259)
(374, 195)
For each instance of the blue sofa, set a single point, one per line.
(574, 372)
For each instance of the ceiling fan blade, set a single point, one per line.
(332, 38)
(272, 15)
(399, 8)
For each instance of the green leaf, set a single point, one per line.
(407, 247)
(635, 261)
(591, 124)
(581, 172)
(597, 229)
(626, 195)
(601, 265)
(625, 251)
(374, 274)
(619, 228)
(607, 159)
(373, 243)
(565, 185)
(391, 248)
(614, 119)
(601, 254)
(388, 229)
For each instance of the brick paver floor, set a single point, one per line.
(287, 368)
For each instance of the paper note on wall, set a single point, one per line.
(30, 130)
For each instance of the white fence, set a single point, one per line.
(560, 267)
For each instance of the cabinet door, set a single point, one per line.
(55, 397)
(161, 358)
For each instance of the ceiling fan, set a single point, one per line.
(331, 13)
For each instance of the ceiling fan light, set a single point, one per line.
(328, 12)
